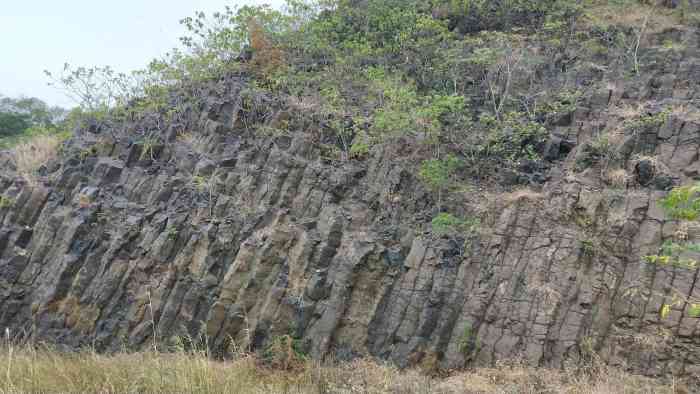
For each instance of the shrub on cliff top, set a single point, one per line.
(464, 76)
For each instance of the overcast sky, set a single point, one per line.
(37, 35)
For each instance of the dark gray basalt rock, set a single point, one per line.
(283, 242)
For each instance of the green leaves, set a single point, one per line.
(402, 111)
(496, 15)
(694, 310)
(13, 123)
(446, 223)
(360, 145)
(22, 118)
(437, 173)
(649, 121)
(683, 203)
(93, 88)
(672, 254)
(5, 202)
(511, 139)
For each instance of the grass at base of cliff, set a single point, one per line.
(31, 370)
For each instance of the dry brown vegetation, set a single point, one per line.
(267, 58)
(43, 370)
(617, 178)
(523, 194)
(28, 156)
(686, 113)
(607, 13)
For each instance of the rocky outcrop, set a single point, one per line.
(239, 238)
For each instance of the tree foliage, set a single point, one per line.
(24, 116)
(12, 123)
(484, 81)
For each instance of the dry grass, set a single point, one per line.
(28, 370)
(305, 103)
(686, 112)
(617, 178)
(620, 13)
(523, 194)
(197, 142)
(629, 111)
(28, 156)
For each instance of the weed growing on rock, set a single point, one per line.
(148, 145)
(84, 154)
(6, 202)
(172, 232)
(446, 224)
(597, 151)
(683, 203)
(588, 247)
(468, 343)
(649, 121)
(672, 252)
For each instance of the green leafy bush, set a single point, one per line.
(13, 123)
(588, 247)
(446, 224)
(649, 121)
(437, 173)
(360, 145)
(505, 141)
(458, 75)
(563, 103)
(598, 150)
(683, 202)
(5, 202)
(469, 16)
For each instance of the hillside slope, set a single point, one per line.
(202, 227)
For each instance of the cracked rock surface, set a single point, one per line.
(243, 238)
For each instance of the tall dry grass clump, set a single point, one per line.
(32, 369)
(30, 155)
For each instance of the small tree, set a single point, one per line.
(94, 89)
(438, 174)
(267, 58)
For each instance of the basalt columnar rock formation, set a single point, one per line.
(242, 238)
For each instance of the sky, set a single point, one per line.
(38, 35)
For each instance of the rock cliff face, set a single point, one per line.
(242, 238)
